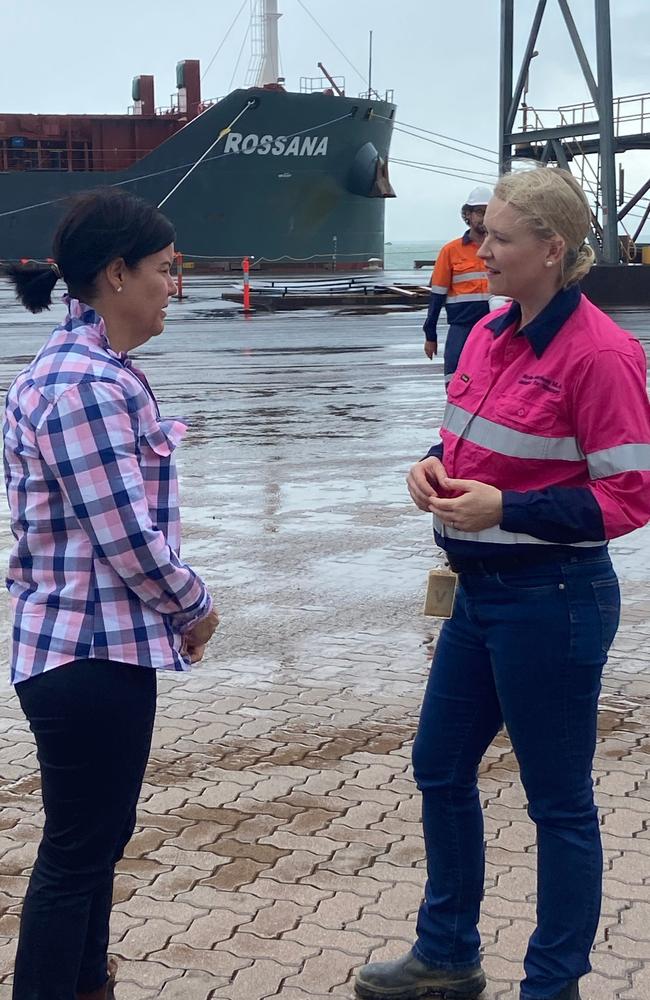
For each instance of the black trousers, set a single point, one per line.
(92, 721)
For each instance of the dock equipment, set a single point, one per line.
(604, 128)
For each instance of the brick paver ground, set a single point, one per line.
(279, 846)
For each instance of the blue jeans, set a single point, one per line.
(92, 721)
(525, 649)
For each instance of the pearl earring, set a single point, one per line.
(119, 289)
(549, 263)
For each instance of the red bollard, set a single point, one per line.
(179, 276)
(246, 266)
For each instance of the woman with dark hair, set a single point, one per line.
(100, 597)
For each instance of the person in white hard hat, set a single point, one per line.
(459, 282)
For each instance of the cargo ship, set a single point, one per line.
(293, 180)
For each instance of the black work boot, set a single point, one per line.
(105, 992)
(408, 978)
(570, 992)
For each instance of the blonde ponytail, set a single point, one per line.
(576, 264)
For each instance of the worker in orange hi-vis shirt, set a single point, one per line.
(459, 282)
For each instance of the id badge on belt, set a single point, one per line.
(441, 593)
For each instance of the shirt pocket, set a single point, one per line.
(465, 265)
(162, 436)
(458, 388)
(468, 275)
(157, 442)
(533, 416)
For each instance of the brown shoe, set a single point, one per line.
(105, 992)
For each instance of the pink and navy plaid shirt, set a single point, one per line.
(93, 494)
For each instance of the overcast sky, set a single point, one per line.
(441, 58)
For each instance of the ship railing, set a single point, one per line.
(320, 84)
(209, 103)
(173, 108)
(374, 95)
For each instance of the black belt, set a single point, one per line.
(509, 562)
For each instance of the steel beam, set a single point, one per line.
(607, 139)
(562, 160)
(579, 49)
(644, 219)
(505, 83)
(634, 200)
(560, 132)
(525, 66)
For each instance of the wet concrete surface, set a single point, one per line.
(278, 844)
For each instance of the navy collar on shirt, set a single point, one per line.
(541, 330)
(466, 238)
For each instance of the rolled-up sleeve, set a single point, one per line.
(89, 440)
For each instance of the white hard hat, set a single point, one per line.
(479, 195)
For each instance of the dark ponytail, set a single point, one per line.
(99, 227)
(34, 284)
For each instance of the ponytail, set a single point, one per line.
(34, 284)
(577, 264)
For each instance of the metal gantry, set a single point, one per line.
(582, 129)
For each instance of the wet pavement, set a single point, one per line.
(278, 844)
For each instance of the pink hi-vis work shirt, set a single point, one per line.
(91, 481)
(555, 415)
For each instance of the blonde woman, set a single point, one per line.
(545, 456)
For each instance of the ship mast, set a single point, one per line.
(265, 12)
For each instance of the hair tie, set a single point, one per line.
(55, 267)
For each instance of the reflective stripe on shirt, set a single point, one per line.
(501, 537)
(473, 297)
(507, 441)
(472, 276)
(622, 458)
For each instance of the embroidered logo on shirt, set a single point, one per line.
(542, 381)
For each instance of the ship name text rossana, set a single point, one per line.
(280, 145)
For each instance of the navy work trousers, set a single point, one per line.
(524, 649)
(457, 334)
(92, 721)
